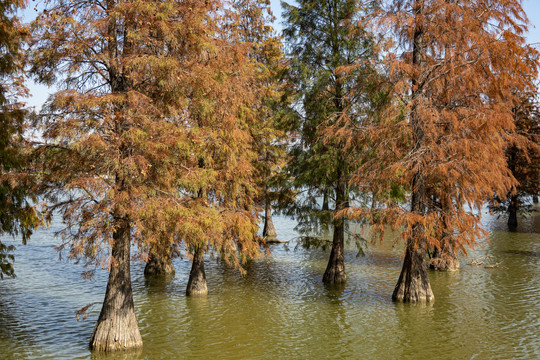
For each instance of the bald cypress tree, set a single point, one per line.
(148, 141)
(523, 159)
(458, 68)
(332, 54)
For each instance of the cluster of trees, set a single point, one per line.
(177, 124)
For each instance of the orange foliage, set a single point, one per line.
(457, 67)
(153, 126)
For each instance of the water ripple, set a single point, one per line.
(281, 309)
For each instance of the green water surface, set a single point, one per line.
(281, 309)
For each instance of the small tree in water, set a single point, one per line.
(331, 52)
(523, 159)
(457, 68)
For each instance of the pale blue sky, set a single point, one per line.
(39, 93)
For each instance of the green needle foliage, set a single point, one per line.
(333, 55)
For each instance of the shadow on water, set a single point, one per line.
(334, 292)
(158, 283)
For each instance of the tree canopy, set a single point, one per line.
(457, 69)
(149, 140)
(17, 202)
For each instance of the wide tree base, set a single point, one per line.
(159, 266)
(335, 275)
(440, 264)
(116, 334)
(413, 285)
(197, 278)
(269, 232)
(199, 290)
(413, 293)
(117, 328)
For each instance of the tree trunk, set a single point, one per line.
(513, 205)
(117, 327)
(197, 278)
(335, 271)
(158, 265)
(512, 213)
(325, 206)
(269, 231)
(413, 284)
(444, 258)
(535, 199)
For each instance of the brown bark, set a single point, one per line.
(513, 204)
(158, 265)
(269, 231)
(197, 278)
(335, 270)
(512, 213)
(444, 258)
(117, 327)
(413, 284)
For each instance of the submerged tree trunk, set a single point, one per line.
(413, 284)
(197, 278)
(512, 212)
(269, 231)
(117, 327)
(158, 265)
(513, 205)
(444, 258)
(335, 271)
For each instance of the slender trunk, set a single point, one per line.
(117, 327)
(513, 205)
(413, 284)
(269, 231)
(512, 213)
(158, 265)
(197, 278)
(335, 271)
(325, 206)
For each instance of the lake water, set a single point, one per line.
(281, 309)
